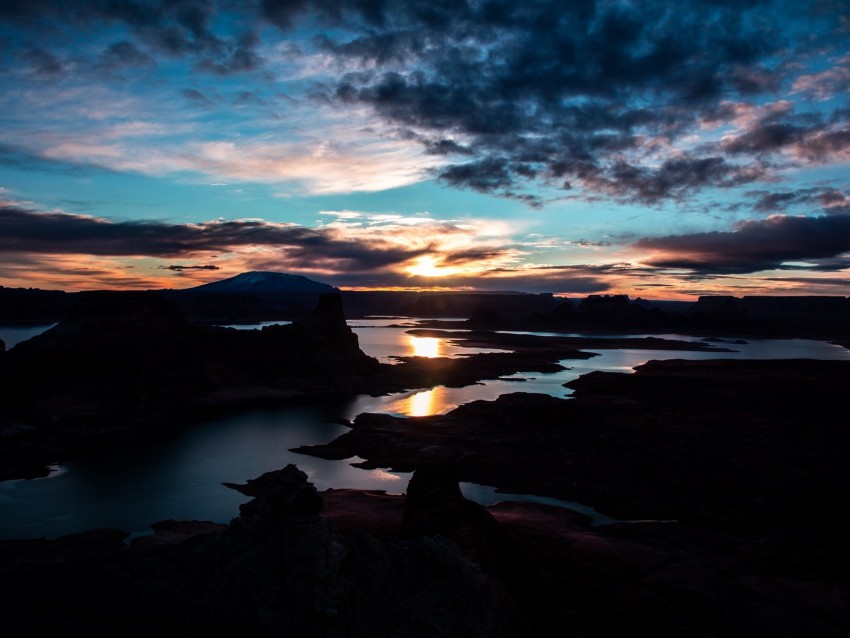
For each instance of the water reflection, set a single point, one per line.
(425, 346)
(437, 400)
(421, 404)
(182, 477)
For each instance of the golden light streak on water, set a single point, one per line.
(422, 403)
(425, 347)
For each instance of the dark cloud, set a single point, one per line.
(124, 54)
(198, 99)
(240, 56)
(568, 280)
(182, 268)
(825, 145)
(445, 147)
(766, 138)
(28, 231)
(489, 174)
(755, 245)
(541, 90)
(675, 178)
(168, 28)
(471, 256)
(833, 200)
(43, 63)
(807, 137)
(21, 158)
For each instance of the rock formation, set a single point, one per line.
(128, 365)
(278, 569)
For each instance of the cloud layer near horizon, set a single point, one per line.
(385, 251)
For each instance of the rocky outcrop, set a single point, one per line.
(803, 315)
(126, 366)
(31, 305)
(278, 569)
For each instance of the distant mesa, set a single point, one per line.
(264, 282)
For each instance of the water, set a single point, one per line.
(440, 399)
(181, 477)
(487, 495)
(254, 326)
(380, 338)
(13, 334)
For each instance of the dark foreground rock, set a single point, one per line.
(668, 579)
(279, 569)
(354, 563)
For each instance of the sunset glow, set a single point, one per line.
(469, 150)
(427, 267)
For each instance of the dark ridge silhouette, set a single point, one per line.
(264, 282)
(510, 305)
(31, 305)
(251, 296)
(269, 296)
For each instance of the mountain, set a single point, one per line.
(264, 282)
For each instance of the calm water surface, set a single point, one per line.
(13, 334)
(181, 478)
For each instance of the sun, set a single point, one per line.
(427, 266)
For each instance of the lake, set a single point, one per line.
(182, 477)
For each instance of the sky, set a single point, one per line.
(657, 149)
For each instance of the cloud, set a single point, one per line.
(753, 246)
(23, 230)
(389, 243)
(165, 28)
(567, 95)
(182, 268)
(44, 63)
(826, 84)
(341, 156)
(832, 200)
(123, 55)
(640, 102)
(195, 98)
(239, 56)
(673, 179)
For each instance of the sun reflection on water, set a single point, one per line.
(437, 400)
(425, 346)
(422, 403)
